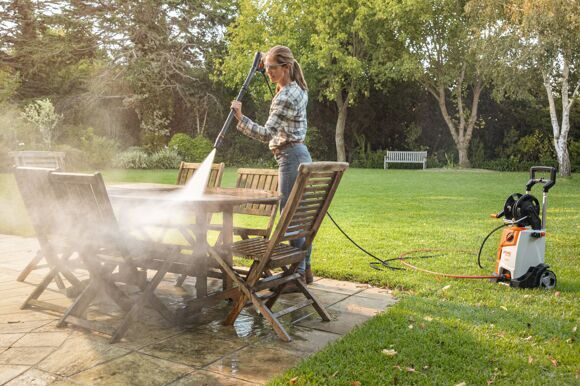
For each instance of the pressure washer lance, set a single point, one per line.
(257, 65)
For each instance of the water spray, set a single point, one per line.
(257, 65)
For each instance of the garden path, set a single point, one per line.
(34, 351)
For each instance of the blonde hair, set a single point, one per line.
(283, 55)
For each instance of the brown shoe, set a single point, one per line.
(308, 276)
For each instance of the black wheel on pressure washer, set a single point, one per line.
(547, 280)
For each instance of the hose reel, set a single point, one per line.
(523, 209)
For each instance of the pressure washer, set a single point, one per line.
(521, 250)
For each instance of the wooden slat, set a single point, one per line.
(188, 169)
(293, 308)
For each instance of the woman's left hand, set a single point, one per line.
(237, 107)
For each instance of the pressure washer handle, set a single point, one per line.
(256, 66)
(547, 183)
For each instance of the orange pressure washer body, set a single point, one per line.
(521, 250)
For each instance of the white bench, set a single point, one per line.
(419, 157)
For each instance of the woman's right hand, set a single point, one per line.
(237, 107)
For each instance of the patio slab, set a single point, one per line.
(200, 352)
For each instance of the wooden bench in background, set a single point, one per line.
(419, 157)
(39, 159)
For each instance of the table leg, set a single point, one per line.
(228, 239)
(203, 247)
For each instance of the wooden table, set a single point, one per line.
(214, 200)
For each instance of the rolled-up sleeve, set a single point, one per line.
(279, 111)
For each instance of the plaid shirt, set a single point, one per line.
(286, 122)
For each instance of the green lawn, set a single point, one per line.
(444, 331)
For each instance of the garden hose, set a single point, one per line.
(483, 243)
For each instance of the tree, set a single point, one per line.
(545, 36)
(441, 52)
(327, 38)
(161, 49)
(42, 115)
(339, 57)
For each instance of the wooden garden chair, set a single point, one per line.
(46, 219)
(257, 179)
(39, 159)
(187, 169)
(306, 207)
(111, 258)
(260, 179)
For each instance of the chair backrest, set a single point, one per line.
(40, 200)
(39, 159)
(84, 200)
(308, 202)
(187, 169)
(261, 179)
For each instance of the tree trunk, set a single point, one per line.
(461, 131)
(463, 149)
(560, 132)
(342, 104)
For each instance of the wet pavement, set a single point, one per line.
(153, 352)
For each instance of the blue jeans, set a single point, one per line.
(288, 161)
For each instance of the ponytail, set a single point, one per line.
(297, 75)
(283, 55)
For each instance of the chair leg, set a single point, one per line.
(288, 271)
(59, 282)
(80, 305)
(40, 288)
(138, 306)
(180, 280)
(266, 313)
(316, 303)
(30, 267)
(235, 311)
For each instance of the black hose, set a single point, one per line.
(483, 243)
(374, 264)
(490, 233)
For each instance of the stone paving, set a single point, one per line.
(34, 351)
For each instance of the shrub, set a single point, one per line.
(574, 151)
(131, 159)
(74, 158)
(155, 131)
(164, 159)
(515, 165)
(191, 149)
(369, 159)
(364, 157)
(182, 144)
(42, 115)
(99, 151)
(317, 145)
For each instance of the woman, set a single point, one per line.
(285, 128)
